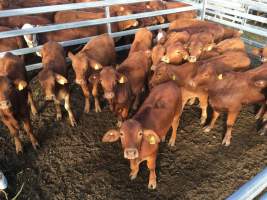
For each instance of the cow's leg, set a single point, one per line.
(215, 116)
(261, 111)
(31, 103)
(231, 118)
(203, 103)
(95, 94)
(151, 164)
(86, 93)
(28, 129)
(58, 109)
(175, 124)
(68, 108)
(136, 102)
(14, 132)
(134, 164)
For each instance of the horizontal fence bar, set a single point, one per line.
(220, 15)
(239, 14)
(252, 188)
(251, 29)
(253, 43)
(263, 197)
(49, 28)
(84, 40)
(72, 6)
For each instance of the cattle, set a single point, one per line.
(182, 75)
(261, 52)
(116, 90)
(229, 91)
(135, 69)
(197, 26)
(53, 78)
(231, 33)
(230, 45)
(98, 52)
(199, 43)
(19, 21)
(141, 134)
(10, 43)
(142, 41)
(15, 98)
(175, 54)
(179, 15)
(157, 53)
(166, 72)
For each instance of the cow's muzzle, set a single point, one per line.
(109, 95)
(131, 153)
(50, 97)
(192, 59)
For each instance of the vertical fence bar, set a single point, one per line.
(107, 12)
(203, 11)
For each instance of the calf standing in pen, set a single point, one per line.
(98, 52)
(229, 91)
(15, 98)
(141, 134)
(53, 78)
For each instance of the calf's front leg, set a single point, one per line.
(151, 164)
(231, 118)
(86, 93)
(58, 109)
(28, 130)
(68, 108)
(31, 103)
(134, 164)
(95, 94)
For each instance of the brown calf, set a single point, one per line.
(53, 78)
(14, 99)
(11, 43)
(141, 134)
(199, 43)
(116, 90)
(142, 41)
(179, 15)
(262, 53)
(229, 91)
(230, 44)
(98, 52)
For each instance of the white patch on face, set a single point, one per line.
(159, 36)
(31, 40)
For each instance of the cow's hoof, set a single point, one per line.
(171, 143)
(36, 146)
(152, 185)
(97, 109)
(86, 110)
(202, 121)
(226, 142)
(206, 129)
(73, 122)
(133, 175)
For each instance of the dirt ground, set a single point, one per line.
(72, 163)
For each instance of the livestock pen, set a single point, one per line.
(73, 163)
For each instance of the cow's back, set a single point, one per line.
(159, 108)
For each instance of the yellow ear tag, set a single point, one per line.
(152, 139)
(97, 67)
(173, 77)
(220, 76)
(21, 86)
(61, 81)
(122, 79)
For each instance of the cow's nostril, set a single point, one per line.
(131, 153)
(192, 58)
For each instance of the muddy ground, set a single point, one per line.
(72, 163)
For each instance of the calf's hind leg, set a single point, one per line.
(31, 103)
(68, 108)
(28, 129)
(231, 118)
(215, 116)
(175, 124)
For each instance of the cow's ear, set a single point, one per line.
(261, 83)
(95, 65)
(94, 78)
(151, 137)
(122, 78)
(70, 55)
(111, 136)
(60, 79)
(20, 84)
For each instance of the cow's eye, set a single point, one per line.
(121, 134)
(140, 133)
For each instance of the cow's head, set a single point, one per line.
(81, 65)
(175, 54)
(262, 53)
(7, 88)
(4, 4)
(157, 53)
(161, 37)
(31, 40)
(48, 81)
(109, 78)
(204, 76)
(162, 73)
(132, 136)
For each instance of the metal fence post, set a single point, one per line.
(107, 13)
(203, 11)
